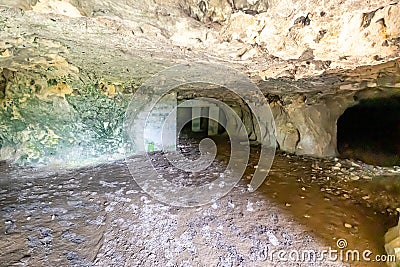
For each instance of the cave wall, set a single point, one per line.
(306, 126)
(69, 68)
(48, 120)
(59, 120)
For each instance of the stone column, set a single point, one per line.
(159, 126)
(196, 113)
(213, 114)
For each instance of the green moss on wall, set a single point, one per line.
(80, 126)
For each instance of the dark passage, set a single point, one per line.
(370, 132)
(188, 141)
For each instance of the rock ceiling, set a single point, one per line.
(284, 46)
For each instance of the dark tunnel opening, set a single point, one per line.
(202, 129)
(188, 141)
(370, 132)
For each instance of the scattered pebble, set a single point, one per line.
(250, 206)
(347, 225)
(273, 239)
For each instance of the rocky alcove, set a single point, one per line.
(369, 131)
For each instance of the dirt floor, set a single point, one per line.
(98, 216)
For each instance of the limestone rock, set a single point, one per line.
(76, 62)
(22, 4)
(308, 128)
(56, 7)
(392, 244)
(287, 134)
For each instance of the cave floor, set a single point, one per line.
(98, 216)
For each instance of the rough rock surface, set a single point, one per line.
(317, 30)
(392, 240)
(58, 56)
(68, 68)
